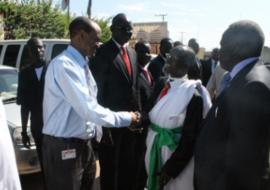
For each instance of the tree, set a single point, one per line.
(104, 25)
(38, 18)
(30, 18)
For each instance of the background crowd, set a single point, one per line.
(169, 122)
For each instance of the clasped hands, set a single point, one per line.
(135, 122)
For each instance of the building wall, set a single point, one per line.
(151, 32)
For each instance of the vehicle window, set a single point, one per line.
(11, 55)
(25, 60)
(8, 83)
(57, 49)
(1, 49)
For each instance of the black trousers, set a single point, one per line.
(36, 130)
(120, 161)
(71, 174)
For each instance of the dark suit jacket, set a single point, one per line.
(145, 88)
(195, 70)
(30, 92)
(116, 90)
(156, 67)
(206, 70)
(232, 152)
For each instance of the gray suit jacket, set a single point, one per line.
(232, 151)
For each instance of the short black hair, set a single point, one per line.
(119, 19)
(164, 41)
(32, 41)
(79, 23)
(177, 43)
(142, 46)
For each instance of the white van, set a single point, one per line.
(14, 52)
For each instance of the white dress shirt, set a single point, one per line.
(39, 72)
(70, 107)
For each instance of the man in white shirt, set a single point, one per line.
(72, 114)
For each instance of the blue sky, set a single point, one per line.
(204, 20)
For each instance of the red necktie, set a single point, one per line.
(126, 61)
(147, 76)
(164, 90)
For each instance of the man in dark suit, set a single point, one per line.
(208, 66)
(145, 87)
(233, 148)
(145, 79)
(195, 70)
(30, 94)
(156, 65)
(115, 70)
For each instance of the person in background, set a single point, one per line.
(146, 82)
(146, 85)
(232, 151)
(156, 65)
(195, 70)
(175, 124)
(115, 69)
(208, 66)
(72, 115)
(30, 94)
(177, 43)
(9, 177)
(214, 84)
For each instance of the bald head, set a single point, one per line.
(85, 35)
(82, 23)
(243, 39)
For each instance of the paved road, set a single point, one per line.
(34, 181)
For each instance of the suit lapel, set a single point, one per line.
(133, 62)
(34, 75)
(119, 63)
(43, 74)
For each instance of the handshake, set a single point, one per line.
(136, 120)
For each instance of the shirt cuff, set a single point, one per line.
(125, 118)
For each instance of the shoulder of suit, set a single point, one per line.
(156, 60)
(108, 47)
(27, 69)
(260, 72)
